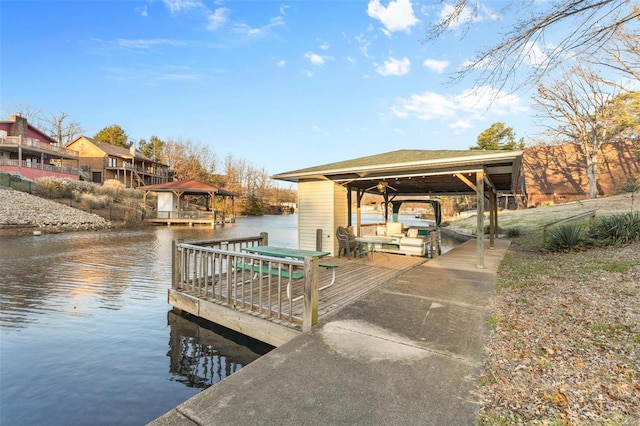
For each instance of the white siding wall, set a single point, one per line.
(167, 202)
(321, 205)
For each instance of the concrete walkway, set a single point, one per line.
(407, 354)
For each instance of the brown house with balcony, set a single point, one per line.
(102, 161)
(557, 173)
(31, 154)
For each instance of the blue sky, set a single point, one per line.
(283, 85)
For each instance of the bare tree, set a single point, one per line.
(623, 55)
(593, 25)
(190, 160)
(585, 111)
(24, 110)
(61, 129)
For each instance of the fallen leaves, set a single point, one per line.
(567, 347)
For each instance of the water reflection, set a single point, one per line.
(83, 326)
(203, 353)
(77, 273)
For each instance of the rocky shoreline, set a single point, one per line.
(22, 213)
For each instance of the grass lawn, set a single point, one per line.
(565, 341)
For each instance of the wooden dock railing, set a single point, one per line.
(219, 271)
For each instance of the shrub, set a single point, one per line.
(631, 185)
(622, 228)
(566, 237)
(514, 232)
(92, 201)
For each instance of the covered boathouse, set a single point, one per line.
(326, 193)
(173, 208)
(274, 299)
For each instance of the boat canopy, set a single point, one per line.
(437, 209)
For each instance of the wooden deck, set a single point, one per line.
(358, 277)
(354, 279)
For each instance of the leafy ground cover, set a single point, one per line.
(565, 341)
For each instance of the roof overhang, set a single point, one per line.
(420, 172)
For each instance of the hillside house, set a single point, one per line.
(30, 153)
(557, 173)
(102, 161)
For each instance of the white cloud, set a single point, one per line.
(281, 63)
(459, 110)
(425, 106)
(147, 43)
(364, 45)
(461, 125)
(397, 16)
(179, 77)
(317, 129)
(245, 29)
(218, 18)
(315, 59)
(142, 11)
(394, 67)
(436, 65)
(180, 5)
(325, 46)
(488, 100)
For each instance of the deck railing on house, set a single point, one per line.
(35, 143)
(217, 270)
(39, 166)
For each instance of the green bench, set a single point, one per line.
(264, 269)
(284, 273)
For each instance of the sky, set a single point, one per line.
(283, 85)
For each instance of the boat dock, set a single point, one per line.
(217, 281)
(407, 351)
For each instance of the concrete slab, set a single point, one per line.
(407, 354)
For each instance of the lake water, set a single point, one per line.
(87, 336)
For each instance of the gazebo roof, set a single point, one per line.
(419, 172)
(191, 186)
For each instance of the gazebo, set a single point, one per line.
(325, 193)
(171, 202)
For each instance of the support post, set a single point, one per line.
(349, 206)
(265, 239)
(359, 213)
(318, 239)
(310, 313)
(493, 219)
(480, 222)
(434, 244)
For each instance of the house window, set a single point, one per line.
(113, 162)
(96, 177)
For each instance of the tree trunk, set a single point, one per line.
(592, 173)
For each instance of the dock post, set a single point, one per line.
(265, 239)
(175, 265)
(310, 312)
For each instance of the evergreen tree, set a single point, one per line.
(114, 135)
(498, 137)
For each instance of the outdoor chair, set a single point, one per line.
(346, 242)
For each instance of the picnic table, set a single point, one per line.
(290, 253)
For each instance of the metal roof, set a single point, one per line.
(419, 172)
